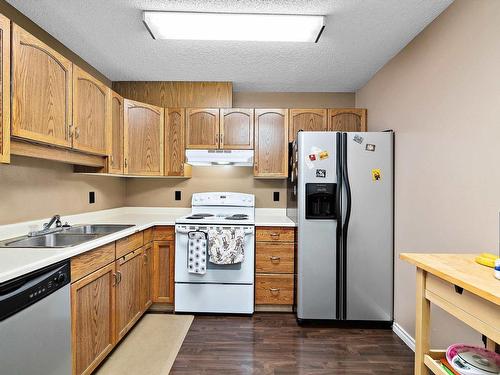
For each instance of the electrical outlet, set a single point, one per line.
(276, 196)
(177, 195)
(91, 197)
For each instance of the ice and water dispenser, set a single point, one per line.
(320, 201)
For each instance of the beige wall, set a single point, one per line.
(441, 95)
(34, 189)
(160, 192)
(293, 99)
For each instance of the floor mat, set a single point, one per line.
(150, 348)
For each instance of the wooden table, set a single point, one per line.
(461, 287)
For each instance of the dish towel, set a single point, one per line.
(197, 252)
(226, 246)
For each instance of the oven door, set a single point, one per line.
(240, 273)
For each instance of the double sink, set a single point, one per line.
(65, 237)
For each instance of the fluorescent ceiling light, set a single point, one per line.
(234, 26)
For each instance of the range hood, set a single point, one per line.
(240, 158)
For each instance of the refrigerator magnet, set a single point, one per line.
(376, 175)
(370, 147)
(323, 155)
(358, 139)
(321, 173)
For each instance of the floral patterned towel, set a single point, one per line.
(197, 252)
(226, 246)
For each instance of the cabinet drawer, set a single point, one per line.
(274, 257)
(129, 243)
(164, 233)
(476, 311)
(148, 235)
(86, 263)
(275, 234)
(274, 289)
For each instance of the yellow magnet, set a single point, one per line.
(376, 175)
(323, 155)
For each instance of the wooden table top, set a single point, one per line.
(460, 270)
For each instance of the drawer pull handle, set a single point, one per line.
(275, 259)
(274, 234)
(274, 290)
(459, 289)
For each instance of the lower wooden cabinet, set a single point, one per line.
(163, 271)
(273, 289)
(128, 291)
(93, 319)
(146, 276)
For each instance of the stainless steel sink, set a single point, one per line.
(102, 229)
(65, 237)
(50, 240)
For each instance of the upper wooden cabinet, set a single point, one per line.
(307, 120)
(143, 139)
(115, 138)
(236, 129)
(202, 128)
(5, 87)
(271, 143)
(347, 119)
(90, 112)
(175, 153)
(41, 91)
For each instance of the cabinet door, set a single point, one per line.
(143, 134)
(307, 120)
(202, 128)
(146, 276)
(175, 153)
(41, 89)
(271, 143)
(163, 271)
(128, 291)
(90, 113)
(5, 87)
(93, 319)
(236, 128)
(115, 144)
(347, 120)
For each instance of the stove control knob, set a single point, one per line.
(61, 278)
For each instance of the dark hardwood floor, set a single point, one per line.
(275, 344)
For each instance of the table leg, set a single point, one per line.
(422, 329)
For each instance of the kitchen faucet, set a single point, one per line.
(46, 227)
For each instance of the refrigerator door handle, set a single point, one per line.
(345, 227)
(338, 234)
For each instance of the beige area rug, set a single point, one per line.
(150, 348)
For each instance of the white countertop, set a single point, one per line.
(15, 262)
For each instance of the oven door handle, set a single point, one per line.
(187, 230)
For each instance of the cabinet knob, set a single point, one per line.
(274, 234)
(275, 259)
(274, 290)
(77, 132)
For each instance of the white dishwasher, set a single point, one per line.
(35, 323)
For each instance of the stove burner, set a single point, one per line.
(198, 216)
(202, 215)
(195, 217)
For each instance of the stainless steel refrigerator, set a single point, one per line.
(340, 193)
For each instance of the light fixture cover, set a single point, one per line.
(234, 26)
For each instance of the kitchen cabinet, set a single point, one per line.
(128, 291)
(202, 128)
(236, 129)
(5, 87)
(271, 143)
(274, 267)
(146, 276)
(90, 113)
(41, 91)
(92, 319)
(163, 271)
(115, 138)
(143, 139)
(175, 142)
(307, 120)
(347, 119)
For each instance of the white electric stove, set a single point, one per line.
(223, 288)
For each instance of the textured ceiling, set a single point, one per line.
(359, 38)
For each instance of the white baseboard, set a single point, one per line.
(403, 335)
